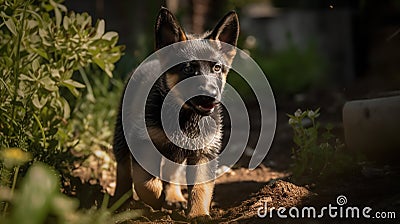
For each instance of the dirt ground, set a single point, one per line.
(240, 193)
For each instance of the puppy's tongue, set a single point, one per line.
(208, 106)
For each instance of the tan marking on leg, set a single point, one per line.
(148, 188)
(173, 193)
(155, 186)
(200, 196)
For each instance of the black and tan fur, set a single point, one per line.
(150, 189)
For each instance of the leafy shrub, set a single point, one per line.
(91, 129)
(39, 55)
(317, 155)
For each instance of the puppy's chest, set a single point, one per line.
(190, 138)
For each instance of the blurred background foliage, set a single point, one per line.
(300, 45)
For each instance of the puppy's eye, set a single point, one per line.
(217, 68)
(188, 69)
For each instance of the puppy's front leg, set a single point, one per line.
(148, 187)
(173, 194)
(200, 196)
(200, 193)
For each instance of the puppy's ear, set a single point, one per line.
(168, 30)
(227, 29)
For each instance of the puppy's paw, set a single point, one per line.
(172, 205)
(201, 219)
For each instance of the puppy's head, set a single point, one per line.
(210, 75)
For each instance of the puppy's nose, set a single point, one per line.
(210, 92)
(213, 93)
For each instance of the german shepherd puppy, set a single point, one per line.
(150, 189)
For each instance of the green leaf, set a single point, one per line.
(99, 62)
(83, 20)
(62, 7)
(99, 29)
(40, 52)
(31, 24)
(57, 12)
(58, 17)
(108, 70)
(48, 84)
(113, 58)
(25, 77)
(66, 108)
(47, 7)
(55, 73)
(42, 33)
(8, 61)
(11, 26)
(73, 83)
(66, 22)
(35, 65)
(110, 35)
(37, 191)
(39, 103)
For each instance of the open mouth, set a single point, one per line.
(203, 105)
(206, 108)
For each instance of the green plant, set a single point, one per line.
(39, 201)
(318, 154)
(292, 69)
(91, 127)
(41, 48)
